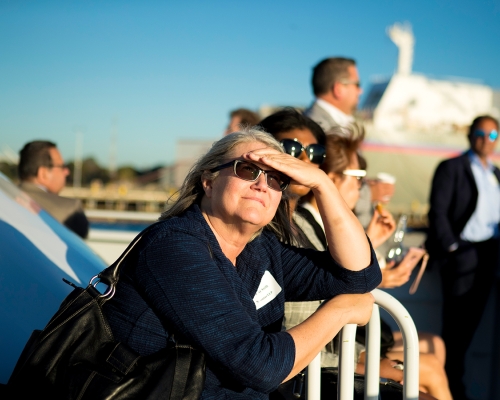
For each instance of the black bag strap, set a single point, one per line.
(318, 230)
(110, 275)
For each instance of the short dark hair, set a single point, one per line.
(477, 121)
(33, 156)
(329, 71)
(289, 119)
(248, 118)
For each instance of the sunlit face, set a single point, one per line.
(483, 146)
(55, 176)
(352, 91)
(305, 137)
(234, 125)
(348, 186)
(239, 202)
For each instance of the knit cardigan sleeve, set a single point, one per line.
(314, 275)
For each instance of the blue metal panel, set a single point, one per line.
(36, 252)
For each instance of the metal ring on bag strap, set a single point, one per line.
(110, 292)
(116, 266)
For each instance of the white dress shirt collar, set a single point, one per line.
(41, 187)
(338, 116)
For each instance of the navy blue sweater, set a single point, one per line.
(181, 279)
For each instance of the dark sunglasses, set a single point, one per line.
(315, 152)
(250, 172)
(63, 166)
(350, 82)
(493, 135)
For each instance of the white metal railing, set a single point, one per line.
(372, 366)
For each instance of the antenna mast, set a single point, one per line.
(112, 149)
(402, 36)
(77, 172)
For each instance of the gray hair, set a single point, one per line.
(191, 191)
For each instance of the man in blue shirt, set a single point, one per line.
(464, 239)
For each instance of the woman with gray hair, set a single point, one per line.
(218, 268)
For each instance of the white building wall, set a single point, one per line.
(417, 103)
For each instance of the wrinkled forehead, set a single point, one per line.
(353, 72)
(487, 125)
(55, 156)
(240, 149)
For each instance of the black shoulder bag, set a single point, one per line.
(77, 357)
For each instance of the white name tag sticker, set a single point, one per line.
(267, 291)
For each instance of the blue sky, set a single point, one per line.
(159, 71)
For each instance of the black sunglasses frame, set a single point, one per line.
(315, 152)
(234, 163)
(63, 166)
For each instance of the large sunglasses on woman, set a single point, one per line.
(250, 172)
(315, 152)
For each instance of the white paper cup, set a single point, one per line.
(386, 178)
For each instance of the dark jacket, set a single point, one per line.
(68, 212)
(452, 202)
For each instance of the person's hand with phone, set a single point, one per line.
(395, 275)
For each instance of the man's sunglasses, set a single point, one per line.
(350, 82)
(315, 152)
(493, 135)
(250, 172)
(63, 166)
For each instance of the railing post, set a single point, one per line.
(314, 378)
(372, 370)
(372, 366)
(346, 362)
(410, 341)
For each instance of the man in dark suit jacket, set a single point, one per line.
(42, 175)
(464, 240)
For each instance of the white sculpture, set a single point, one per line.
(402, 36)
